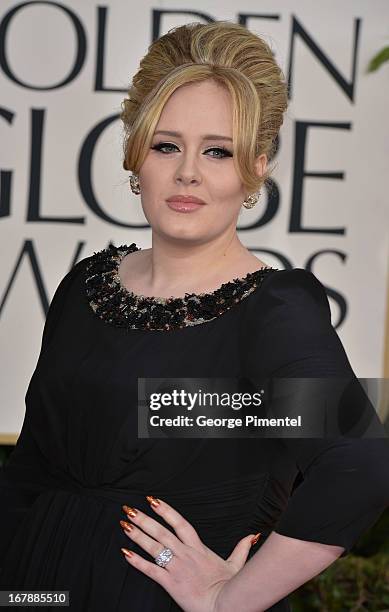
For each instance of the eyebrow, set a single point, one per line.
(205, 137)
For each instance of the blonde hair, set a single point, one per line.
(229, 54)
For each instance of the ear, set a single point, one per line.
(261, 164)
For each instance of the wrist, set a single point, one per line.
(222, 599)
(233, 596)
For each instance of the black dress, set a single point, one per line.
(78, 457)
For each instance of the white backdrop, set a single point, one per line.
(64, 69)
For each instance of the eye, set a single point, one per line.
(163, 145)
(222, 150)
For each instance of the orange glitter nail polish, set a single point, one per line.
(130, 511)
(255, 539)
(126, 525)
(153, 501)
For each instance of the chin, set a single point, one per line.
(184, 237)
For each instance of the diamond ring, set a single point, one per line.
(164, 557)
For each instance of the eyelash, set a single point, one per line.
(161, 145)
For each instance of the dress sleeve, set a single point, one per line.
(26, 473)
(345, 486)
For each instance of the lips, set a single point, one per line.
(186, 199)
(183, 206)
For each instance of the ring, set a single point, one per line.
(164, 557)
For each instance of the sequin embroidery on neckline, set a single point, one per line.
(116, 304)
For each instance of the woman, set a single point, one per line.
(201, 120)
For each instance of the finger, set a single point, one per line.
(239, 555)
(183, 528)
(153, 528)
(150, 569)
(148, 544)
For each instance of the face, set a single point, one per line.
(191, 163)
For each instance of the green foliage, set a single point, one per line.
(358, 582)
(351, 584)
(380, 58)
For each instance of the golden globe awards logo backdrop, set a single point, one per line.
(64, 69)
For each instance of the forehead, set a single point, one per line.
(198, 107)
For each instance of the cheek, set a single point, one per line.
(228, 191)
(151, 182)
(224, 180)
(146, 173)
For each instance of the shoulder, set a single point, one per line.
(297, 279)
(289, 327)
(63, 295)
(297, 292)
(76, 270)
(70, 282)
(108, 258)
(100, 261)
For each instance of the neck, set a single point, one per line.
(191, 265)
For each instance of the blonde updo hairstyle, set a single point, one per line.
(232, 56)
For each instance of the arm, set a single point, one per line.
(280, 566)
(342, 495)
(346, 484)
(27, 473)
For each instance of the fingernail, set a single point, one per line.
(153, 501)
(130, 511)
(126, 525)
(255, 539)
(128, 553)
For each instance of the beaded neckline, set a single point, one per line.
(115, 304)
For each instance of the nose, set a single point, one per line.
(187, 172)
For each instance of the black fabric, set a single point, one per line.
(78, 458)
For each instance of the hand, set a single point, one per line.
(195, 576)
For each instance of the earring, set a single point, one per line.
(251, 200)
(134, 184)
